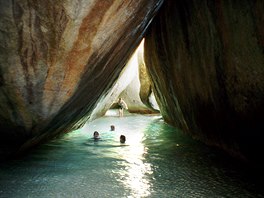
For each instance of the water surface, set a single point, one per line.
(157, 160)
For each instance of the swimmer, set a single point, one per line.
(96, 135)
(112, 128)
(122, 139)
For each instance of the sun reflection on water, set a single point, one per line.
(135, 174)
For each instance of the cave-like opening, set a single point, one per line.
(133, 85)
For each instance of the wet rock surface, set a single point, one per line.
(206, 63)
(57, 60)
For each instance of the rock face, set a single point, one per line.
(146, 91)
(137, 94)
(128, 86)
(58, 58)
(206, 62)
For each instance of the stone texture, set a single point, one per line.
(60, 59)
(57, 59)
(206, 59)
(130, 83)
(146, 91)
(126, 76)
(137, 93)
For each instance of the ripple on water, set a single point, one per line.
(157, 161)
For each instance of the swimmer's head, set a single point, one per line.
(112, 127)
(96, 134)
(122, 138)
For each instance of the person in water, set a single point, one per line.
(112, 127)
(122, 139)
(96, 135)
(121, 106)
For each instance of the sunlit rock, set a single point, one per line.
(108, 100)
(206, 62)
(137, 93)
(128, 86)
(58, 58)
(153, 102)
(146, 91)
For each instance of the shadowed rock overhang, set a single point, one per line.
(57, 61)
(205, 60)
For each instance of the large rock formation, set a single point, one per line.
(206, 62)
(58, 58)
(138, 93)
(128, 86)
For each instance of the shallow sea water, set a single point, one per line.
(157, 160)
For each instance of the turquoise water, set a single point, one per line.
(156, 161)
